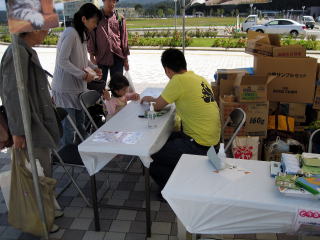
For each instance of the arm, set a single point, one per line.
(124, 43)
(160, 102)
(64, 56)
(9, 92)
(132, 96)
(92, 45)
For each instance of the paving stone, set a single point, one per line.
(129, 215)
(131, 178)
(120, 226)
(64, 222)
(165, 207)
(267, 236)
(104, 225)
(2, 228)
(91, 235)
(158, 237)
(3, 208)
(174, 229)
(141, 216)
(28, 236)
(126, 186)
(86, 213)
(81, 224)
(137, 195)
(161, 227)
(116, 202)
(166, 217)
(72, 212)
(135, 236)
(11, 233)
(154, 205)
(114, 236)
(133, 203)
(173, 238)
(139, 186)
(73, 234)
(138, 227)
(57, 235)
(114, 177)
(78, 202)
(121, 195)
(107, 213)
(4, 219)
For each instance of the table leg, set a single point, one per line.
(147, 190)
(95, 203)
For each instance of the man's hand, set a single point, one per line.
(89, 77)
(106, 94)
(19, 142)
(99, 73)
(147, 99)
(126, 65)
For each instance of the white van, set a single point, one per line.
(253, 20)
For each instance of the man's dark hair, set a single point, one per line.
(117, 82)
(174, 59)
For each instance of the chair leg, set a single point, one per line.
(72, 179)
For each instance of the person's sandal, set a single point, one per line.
(58, 214)
(55, 228)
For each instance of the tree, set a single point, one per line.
(170, 12)
(222, 12)
(138, 7)
(232, 12)
(160, 13)
(211, 12)
(237, 12)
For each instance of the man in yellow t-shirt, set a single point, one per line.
(196, 107)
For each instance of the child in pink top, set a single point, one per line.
(119, 87)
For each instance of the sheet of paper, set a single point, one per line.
(306, 217)
(117, 137)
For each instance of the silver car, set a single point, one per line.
(281, 26)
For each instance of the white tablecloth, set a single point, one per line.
(95, 155)
(211, 203)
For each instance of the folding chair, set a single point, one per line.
(89, 99)
(69, 156)
(236, 120)
(310, 146)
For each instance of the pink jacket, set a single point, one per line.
(115, 104)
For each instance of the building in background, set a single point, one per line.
(71, 7)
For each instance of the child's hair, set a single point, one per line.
(117, 82)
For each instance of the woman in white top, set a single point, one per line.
(70, 77)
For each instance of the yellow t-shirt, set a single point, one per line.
(196, 107)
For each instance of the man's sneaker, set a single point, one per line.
(54, 229)
(58, 214)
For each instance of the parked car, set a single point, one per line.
(281, 26)
(308, 21)
(251, 21)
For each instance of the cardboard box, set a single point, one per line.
(227, 78)
(295, 78)
(316, 102)
(261, 44)
(252, 88)
(257, 117)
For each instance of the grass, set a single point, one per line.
(201, 42)
(170, 22)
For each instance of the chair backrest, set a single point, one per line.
(310, 146)
(236, 119)
(62, 114)
(89, 99)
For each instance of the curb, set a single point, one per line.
(211, 49)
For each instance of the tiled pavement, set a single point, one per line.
(127, 190)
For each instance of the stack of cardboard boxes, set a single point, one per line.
(283, 76)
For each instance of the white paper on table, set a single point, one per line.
(117, 137)
(306, 217)
(232, 173)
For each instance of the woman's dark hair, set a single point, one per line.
(117, 82)
(174, 59)
(88, 11)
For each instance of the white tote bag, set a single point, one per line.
(245, 148)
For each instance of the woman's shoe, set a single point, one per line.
(58, 214)
(55, 228)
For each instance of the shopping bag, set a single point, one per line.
(23, 209)
(5, 180)
(128, 76)
(245, 148)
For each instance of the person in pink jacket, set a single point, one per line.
(120, 94)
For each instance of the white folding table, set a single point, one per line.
(96, 155)
(234, 202)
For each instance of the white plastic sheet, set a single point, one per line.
(207, 202)
(95, 155)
